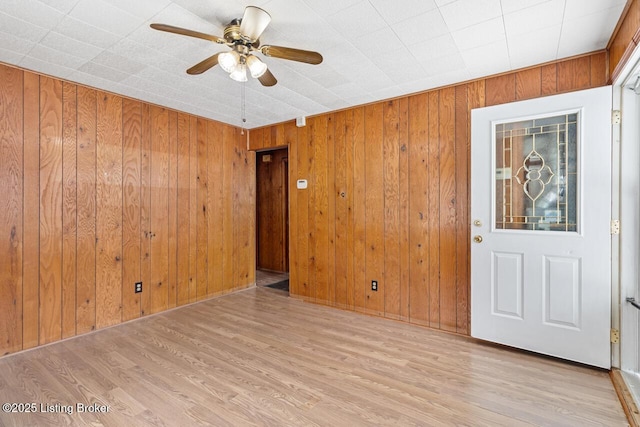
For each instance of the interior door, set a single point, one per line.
(540, 210)
(272, 210)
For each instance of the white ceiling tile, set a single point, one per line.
(20, 28)
(392, 12)
(349, 87)
(326, 8)
(344, 21)
(404, 73)
(330, 78)
(178, 16)
(574, 39)
(339, 57)
(509, 6)
(54, 70)
(257, 96)
(63, 6)
(336, 104)
(421, 28)
(435, 48)
(379, 42)
(399, 66)
(106, 73)
(33, 11)
(135, 93)
(139, 82)
(216, 12)
(171, 92)
(295, 35)
(535, 47)
(86, 33)
(443, 2)
(55, 56)
(290, 26)
(543, 15)
(178, 68)
(360, 99)
(374, 85)
(159, 76)
(141, 8)
(10, 57)
(188, 49)
(15, 44)
(110, 17)
(578, 8)
(253, 110)
(316, 92)
(299, 100)
(416, 85)
(89, 80)
(480, 34)
(151, 57)
(448, 79)
(386, 93)
(284, 13)
(465, 13)
(122, 63)
(498, 53)
(446, 64)
(63, 43)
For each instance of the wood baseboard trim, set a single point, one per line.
(628, 405)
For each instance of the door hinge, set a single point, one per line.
(615, 336)
(616, 117)
(615, 226)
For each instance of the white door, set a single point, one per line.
(540, 211)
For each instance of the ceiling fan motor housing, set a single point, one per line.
(233, 35)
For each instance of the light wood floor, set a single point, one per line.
(259, 358)
(265, 277)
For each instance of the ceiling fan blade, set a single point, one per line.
(203, 66)
(254, 21)
(185, 32)
(267, 79)
(291, 54)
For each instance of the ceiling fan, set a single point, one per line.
(243, 37)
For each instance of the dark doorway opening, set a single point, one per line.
(272, 216)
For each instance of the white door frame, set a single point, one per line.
(626, 206)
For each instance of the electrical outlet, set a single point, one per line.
(138, 287)
(374, 285)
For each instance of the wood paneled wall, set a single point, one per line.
(625, 38)
(272, 225)
(388, 195)
(101, 192)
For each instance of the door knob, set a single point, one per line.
(477, 239)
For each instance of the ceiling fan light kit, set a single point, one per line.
(256, 67)
(229, 60)
(239, 73)
(242, 36)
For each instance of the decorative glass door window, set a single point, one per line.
(537, 174)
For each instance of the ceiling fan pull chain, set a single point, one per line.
(243, 105)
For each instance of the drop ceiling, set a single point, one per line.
(373, 49)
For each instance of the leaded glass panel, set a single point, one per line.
(536, 174)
